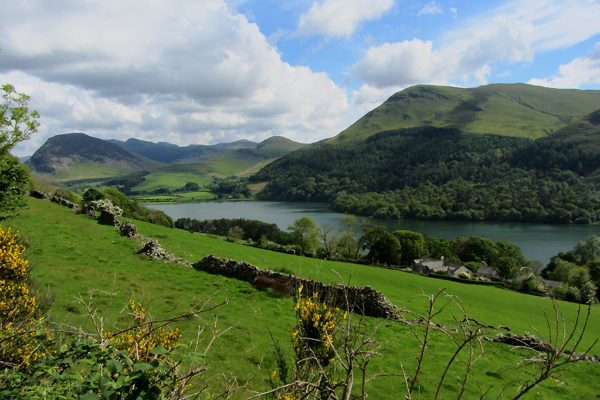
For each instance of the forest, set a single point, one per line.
(443, 174)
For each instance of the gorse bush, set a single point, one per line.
(143, 338)
(17, 307)
(314, 335)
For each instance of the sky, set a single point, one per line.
(216, 71)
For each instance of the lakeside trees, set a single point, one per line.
(578, 269)
(442, 174)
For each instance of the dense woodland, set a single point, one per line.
(443, 174)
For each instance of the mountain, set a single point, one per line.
(172, 154)
(77, 155)
(242, 161)
(443, 153)
(503, 109)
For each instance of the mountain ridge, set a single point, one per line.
(505, 109)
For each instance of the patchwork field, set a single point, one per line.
(72, 254)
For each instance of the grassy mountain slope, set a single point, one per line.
(503, 109)
(584, 131)
(245, 161)
(72, 254)
(77, 155)
(238, 162)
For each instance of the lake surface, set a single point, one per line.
(538, 241)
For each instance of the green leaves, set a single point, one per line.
(17, 123)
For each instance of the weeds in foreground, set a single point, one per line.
(334, 363)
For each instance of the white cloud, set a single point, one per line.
(195, 73)
(432, 8)
(580, 71)
(340, 18)
(510, 34)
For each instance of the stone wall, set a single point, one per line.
(362, 300)
(66, 203)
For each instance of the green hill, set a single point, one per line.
(498, 153)
(72, 254)
(238, 162)
(504, 109)
(76, 156)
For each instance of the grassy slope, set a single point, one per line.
(173, 177)
(515, 110)
(240, 163)
(86, 171)
(73, 254)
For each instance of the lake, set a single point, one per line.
(538, 241)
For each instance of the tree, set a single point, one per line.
(329, 240)
(412, 246)
(510, 259)
(562, 270)
(306, 233)
(92, 195)
(192, 187)
(381, 246)
(14, 177)
(536, 266)
(17, 124)
(588, 251)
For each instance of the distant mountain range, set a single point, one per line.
(172, 154)
(79, 156)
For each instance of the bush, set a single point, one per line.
(464, 275)
(588, 293)
(572, 294)
(530, 285)
(17, 305)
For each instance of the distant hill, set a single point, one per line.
(172, 154)
(240, 162)
(503, 109)
(77, 155)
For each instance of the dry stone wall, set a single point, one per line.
(362, 300)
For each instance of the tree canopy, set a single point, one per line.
(17, 124)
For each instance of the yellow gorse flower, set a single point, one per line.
(316, 323)
(141, 340)
(17, 306)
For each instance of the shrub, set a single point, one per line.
(464, 275)
(17, 307)
(588, 293)
(315, 330)
(572, 294)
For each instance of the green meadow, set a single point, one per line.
(176, 198)
(172, 178)
(72, 255)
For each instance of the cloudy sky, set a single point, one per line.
(213, 71)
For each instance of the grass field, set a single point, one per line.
(86, 170)
(72, 254)
(176, 198)
(172, 178)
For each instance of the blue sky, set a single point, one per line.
(212, 71)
